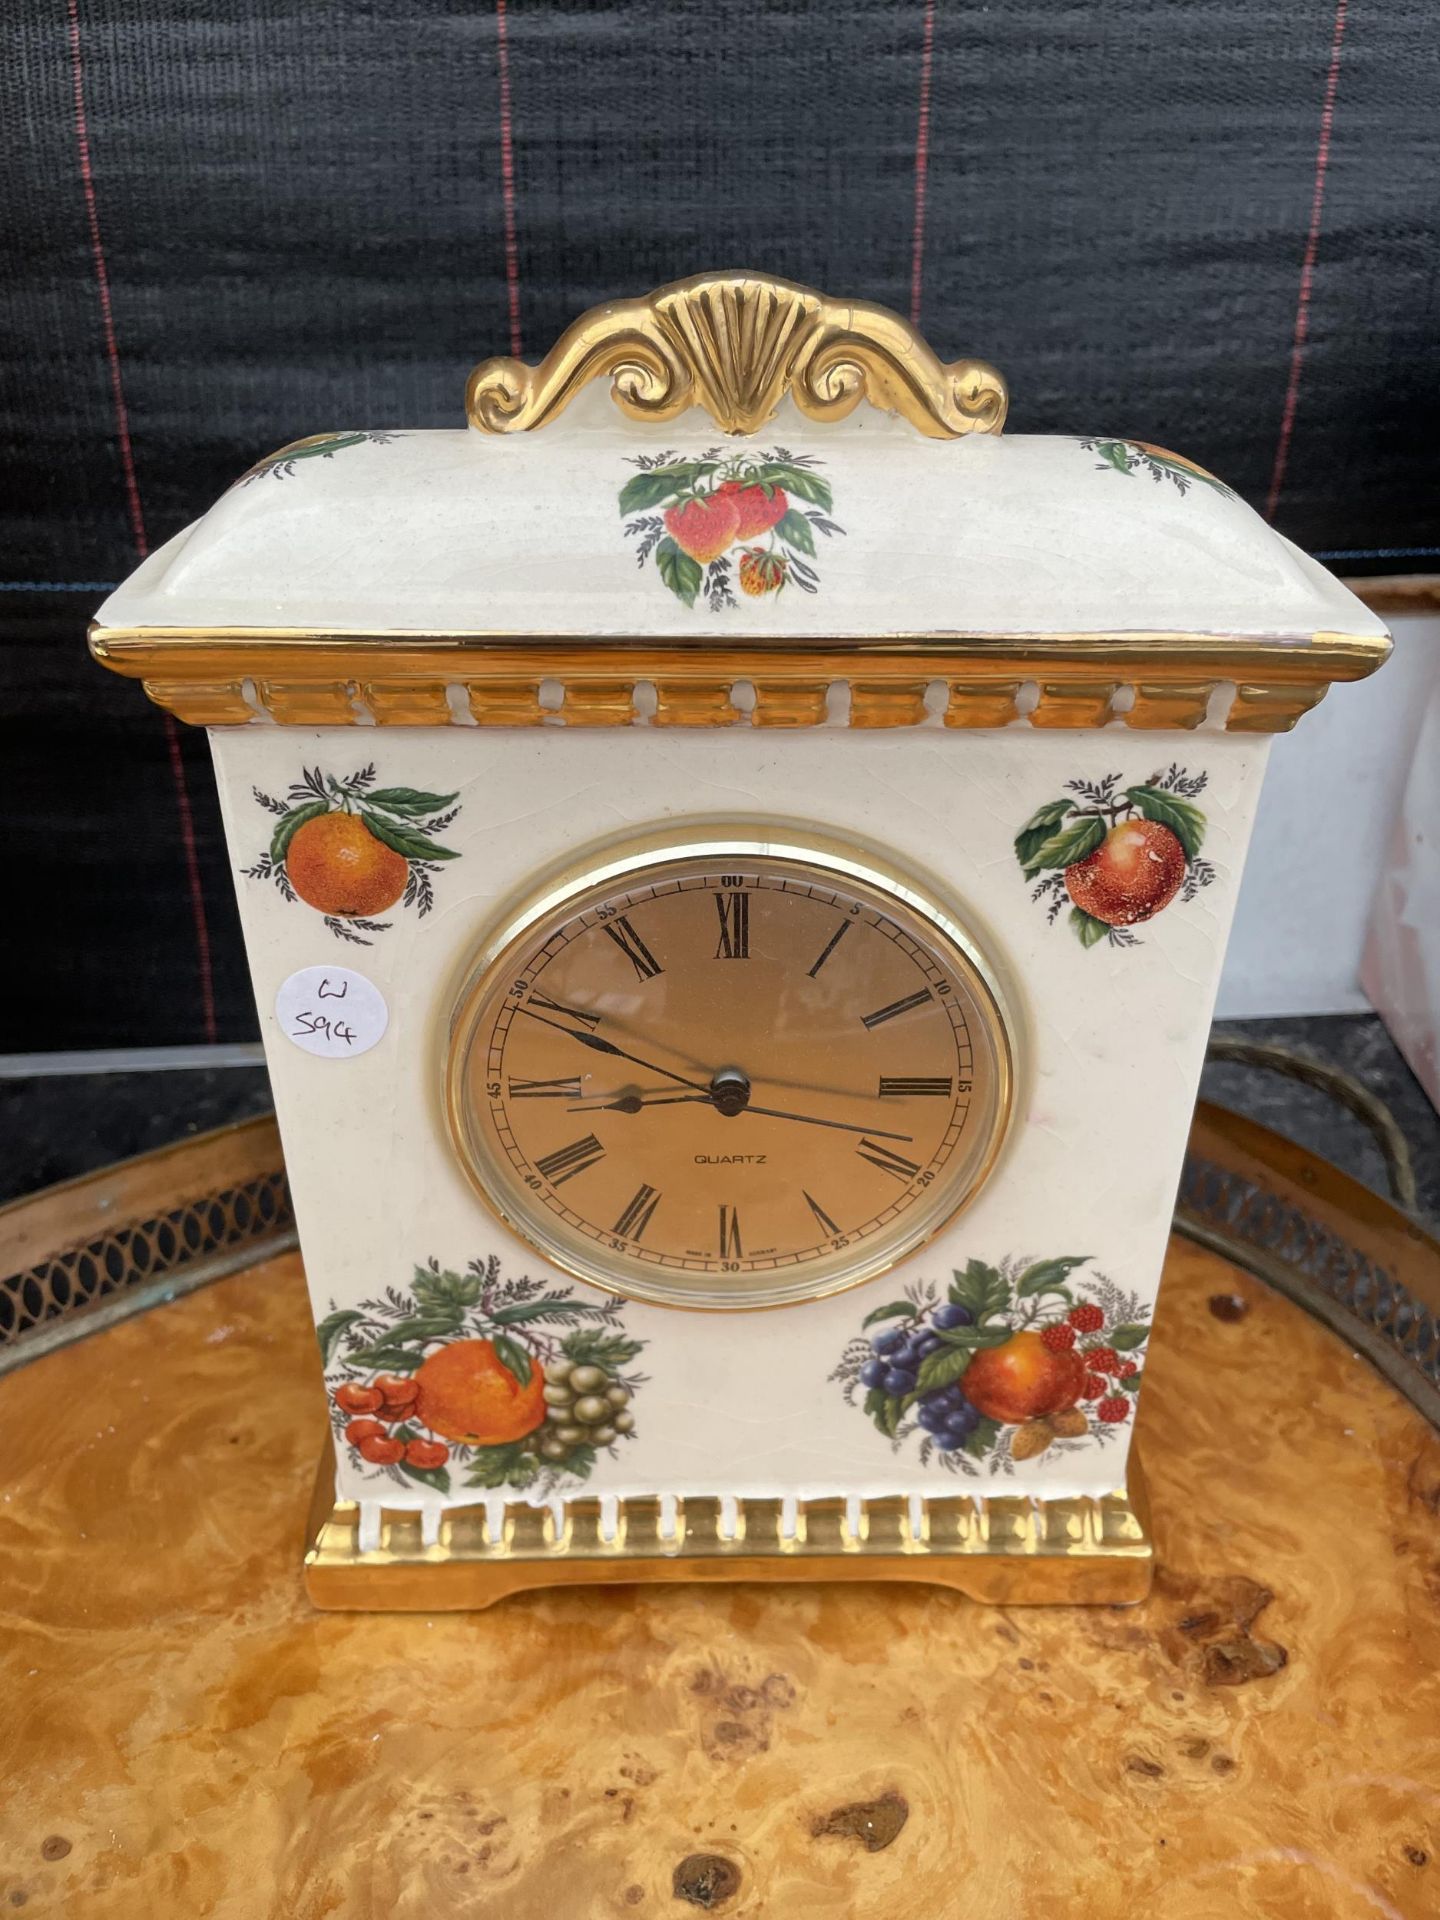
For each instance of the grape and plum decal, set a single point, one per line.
(1016, 1360)
(1116, 855)
(726, 520)
(509, 1383)
(350, 849)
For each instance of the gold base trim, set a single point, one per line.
(1004, 1551)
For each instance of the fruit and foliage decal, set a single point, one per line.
(1136, 456)
(1116, 854)
(323, 447)
(726, 519)
(1011, 1362)
(351, 849)
(474, 1379)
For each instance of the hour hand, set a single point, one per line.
(634, 1102)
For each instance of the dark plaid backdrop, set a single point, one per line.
(232, 222)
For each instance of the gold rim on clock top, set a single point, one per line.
(513, 938)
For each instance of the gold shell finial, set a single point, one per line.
(736, 344)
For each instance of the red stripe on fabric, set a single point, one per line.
(1307, 270)
(922, 164)
(137, 515)
(507, 179)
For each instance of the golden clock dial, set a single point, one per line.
(728, 1074)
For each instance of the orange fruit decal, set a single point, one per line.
(509, 1383)
(351, 849)
(1002, 1367)
(1116, 855)
(466, 1392)
(337, 865)
(713, 502)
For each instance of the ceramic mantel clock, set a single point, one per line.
(735, 857)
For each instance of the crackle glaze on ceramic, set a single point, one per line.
(1108, 1036)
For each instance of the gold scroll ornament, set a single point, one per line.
(736, 344)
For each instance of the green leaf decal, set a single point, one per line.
(513, 1357)
(897, 1310)
(794, 529)
(580, 1462)
(410, 800)
(658, 484)
(1126, 1339)
(1182, 817)
(679, 572)
(1087, 927)
(587, 1346)
(799, 481)
(554, 1306)
(941, 1368)
(1046, 1275)
(982, 1289)
(973, 1338)
(983, 1438)
(330, 1329)
(405, 840)
(286, 829)
(502, 1466)
(1065, 846)
(1130, 1384)
(449, 1291)
(1039, 828)
(388, 1356)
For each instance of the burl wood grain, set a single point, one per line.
(183, 1737)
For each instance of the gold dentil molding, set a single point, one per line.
(217, 677)
(736, 344)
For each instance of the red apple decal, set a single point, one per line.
(1117, 855)
(1023, 1379)
(1137, 869)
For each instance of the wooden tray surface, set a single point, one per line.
(182, 1736)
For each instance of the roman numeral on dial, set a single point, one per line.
(830, 945)
(920, 1088)
(887, 1160)
(734, 912)
(566, 1162)
(634, 949)
(822, 1219)
(730, 1248)
(895, 1008)
(545, 1089)
(636, 1217)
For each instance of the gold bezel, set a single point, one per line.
(611, 862)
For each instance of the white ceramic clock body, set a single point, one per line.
(1108, 1042)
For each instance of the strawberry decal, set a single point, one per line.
(1012, 1361)
(1116, 856)
(751, 517)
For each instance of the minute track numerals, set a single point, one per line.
(779, 1068)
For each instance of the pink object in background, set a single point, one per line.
(1401, 967)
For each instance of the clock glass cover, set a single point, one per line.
(720, 1071)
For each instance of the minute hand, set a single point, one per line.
(597, 1045)
(637, 1103)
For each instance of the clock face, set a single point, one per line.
(729, 1074)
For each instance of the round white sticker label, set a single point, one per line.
(332, 1012)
